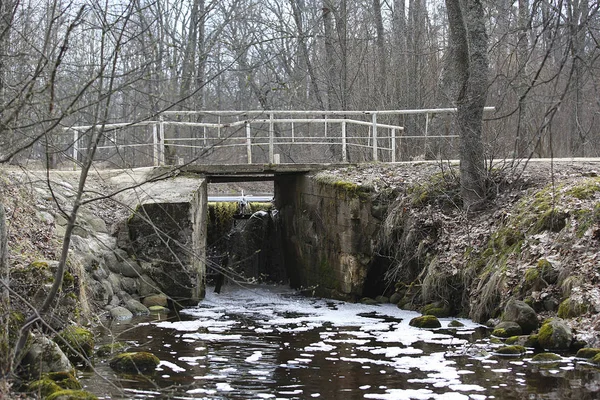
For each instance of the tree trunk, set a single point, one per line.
(469, 41)
(382, 62)
(330, 64)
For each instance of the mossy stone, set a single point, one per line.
(587, 352)
(507, 329)
(382, 299)
(135, 363)
(555, 334)
(532, 341)
(109, 349)
(369, 301)
(437, 309)
(522, 314)
(64, 379)
(425, 321)
(76, 342)
(570, 308)
(158, 310)
(72, 395)
(455, 324)
(396, 297)
(595, 359)
(546, 357)
(44, 387)
(511, 350)
(512, 340)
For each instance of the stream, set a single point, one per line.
(268, 342)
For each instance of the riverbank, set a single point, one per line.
(536, 240)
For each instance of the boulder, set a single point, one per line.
(513, 350)
(555, 334)
(156, 300)
(45, 356)
(519, 312)
(136, 307)
(77, 343)
(146, 285)
(134, 363)
(507, 329)
(587, 352)
(120, 314)
(546, 357)
(68, 394)
(571, 308)
(425, 321)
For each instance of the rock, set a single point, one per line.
(455, 324)
(72, 395)
(146, 286)
(45, 387)
(158, 310)
(134, 363)
(120, 314)
(511, 350)
(369, 301)
(595, 360)
(555, 334)
(136, 307)
(129, 268)
(77, 343)
(521, 313)
(396, 297)
(438, 309)
(550, 303)
(156, 300)
(587, 352)
(425, 321)
(46, 217)
(546, 357)
(129, 285)
(45, 356)
(115, 282)
(109, 349)
(571, 308)
(507, 329)
(382, 299)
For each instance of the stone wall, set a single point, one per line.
(329, 235)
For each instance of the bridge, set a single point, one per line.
(267, 137)
(168, 227)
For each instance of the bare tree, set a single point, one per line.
(469, 40)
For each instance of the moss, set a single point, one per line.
(76, 342)
(134, 363)
(442, 189)
(595, 359)
(546, 357)
(587, 352)
(158, 310)
(570, 308)
(68, 279)
(511, 350)
(585, 190)
(350, 189)
(455, 324)
(71, 395)
(109, 349)
(65, 380)
(44, 387)
(531, 276)
(437, 309)
(533, 341)
(425, 321)
(586, 219)
(512, 340)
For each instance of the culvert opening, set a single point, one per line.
(243, 240)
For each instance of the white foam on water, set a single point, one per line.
(173, 366)
(257, 355)
(210, 337)
(224, 387)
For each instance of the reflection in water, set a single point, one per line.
(268, 342)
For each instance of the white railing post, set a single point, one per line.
(293, 136)
(248, 143)
(155, 157)
(393, 145)
(426, 132)
(374, 136)
(271, 138)
(204, 135)
(75, 149)
(219, 127)
(344, 144)
(325, 125)
(161, 141)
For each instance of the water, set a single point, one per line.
(265, 342)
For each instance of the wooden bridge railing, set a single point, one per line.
(262, 136)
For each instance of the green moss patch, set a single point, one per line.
(587, 352)
(546, 357)
(76, 342)
(455, 324)
(585, 190)
(511, 350)
(111, 348)
(425, 321)
(43, 387)
(570, 308)
(134, 363)
(436, 309)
